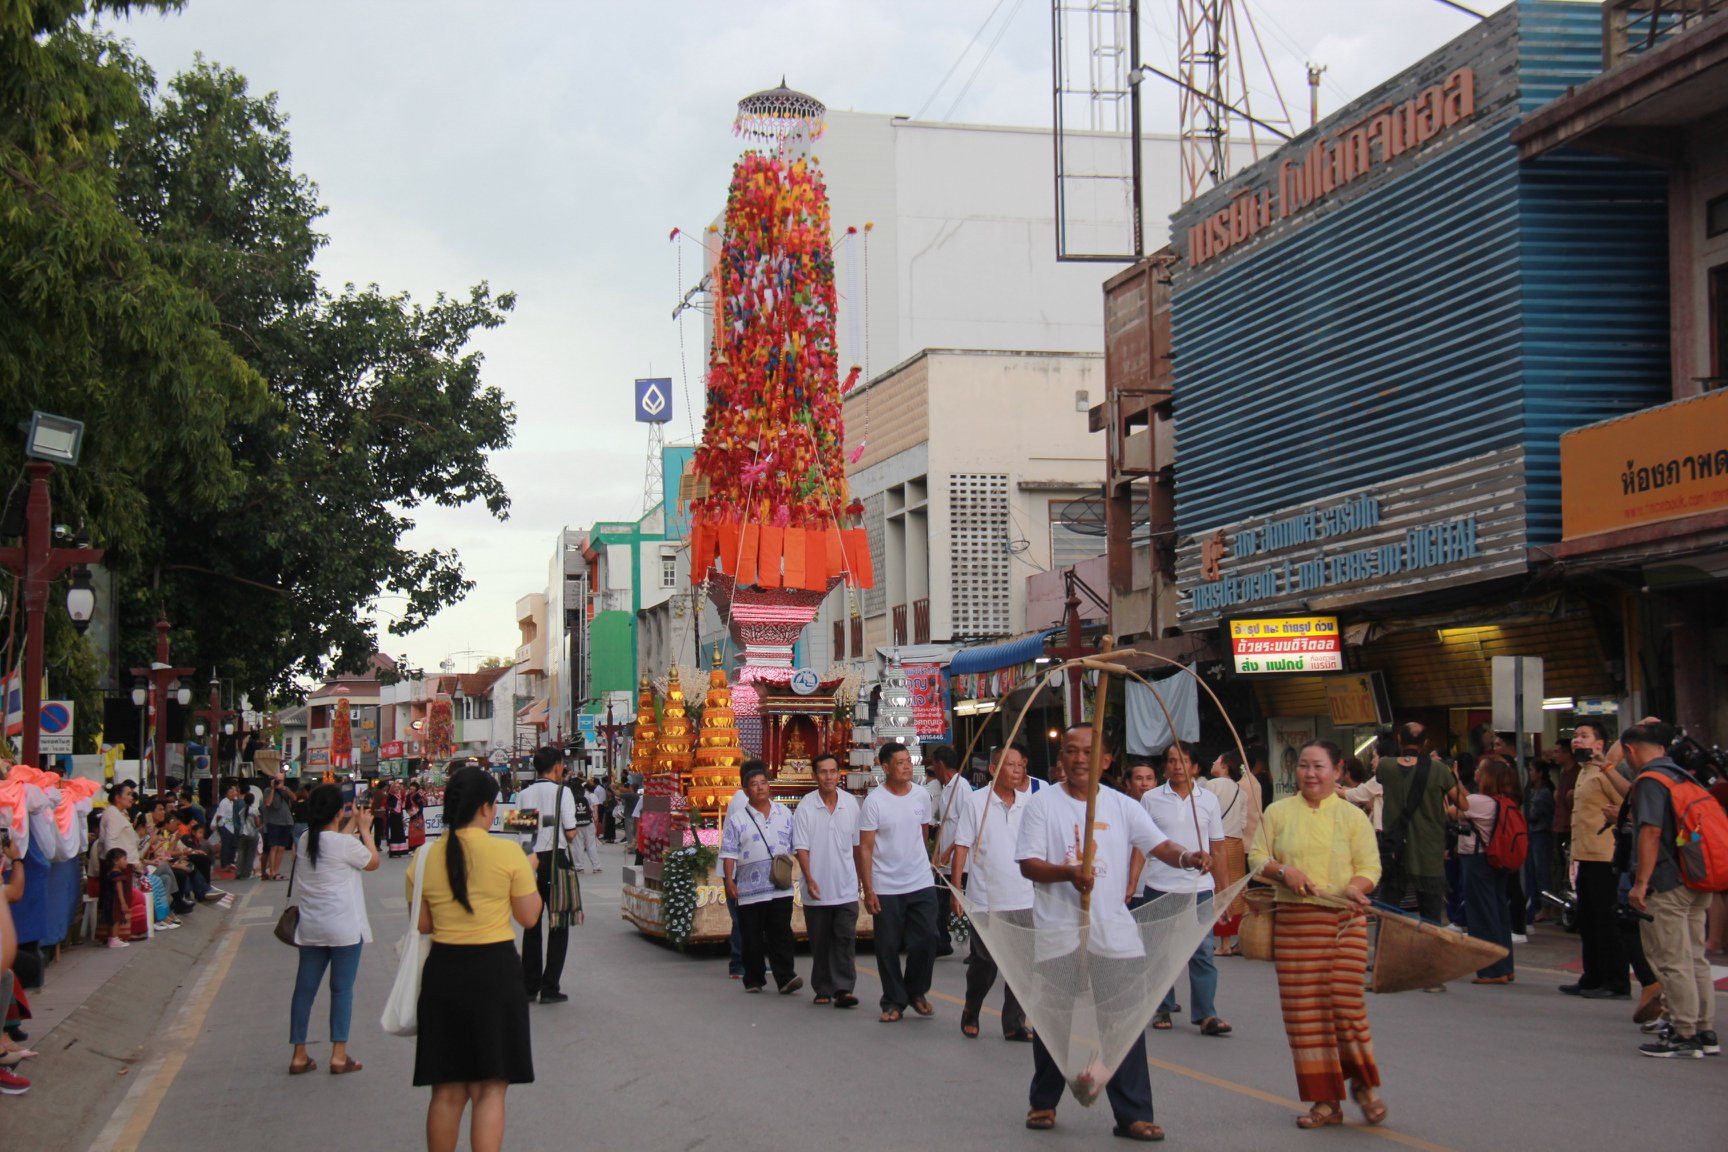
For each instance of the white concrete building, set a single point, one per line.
(970, 458)
(962, 237)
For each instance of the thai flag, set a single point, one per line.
(15, 703)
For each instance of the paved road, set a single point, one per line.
(660, 1050)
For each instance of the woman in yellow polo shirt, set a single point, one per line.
(473, 1041)
(1320, 850)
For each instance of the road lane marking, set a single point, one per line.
(1239, 1089)
(131, 1120)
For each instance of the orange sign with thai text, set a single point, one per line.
(1660, 464)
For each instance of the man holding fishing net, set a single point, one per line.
(1090, 960)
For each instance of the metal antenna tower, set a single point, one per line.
(1095, 49)
(654, 477)
(1215, 39)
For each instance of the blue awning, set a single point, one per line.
(1006, 654)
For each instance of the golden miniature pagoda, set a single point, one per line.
(718, 752)
(673, 756)
(646, 741)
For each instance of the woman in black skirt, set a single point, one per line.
(473, 1040)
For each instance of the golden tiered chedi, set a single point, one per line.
(673, 755)
(719, 756)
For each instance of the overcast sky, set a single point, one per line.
(550, 148)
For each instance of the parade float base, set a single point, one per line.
(712, 924)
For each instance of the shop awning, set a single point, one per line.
(1006, 654)
(533, 714)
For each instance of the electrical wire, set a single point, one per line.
(1001, 31)
(954, 67)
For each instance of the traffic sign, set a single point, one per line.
(56, 728)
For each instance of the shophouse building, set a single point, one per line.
(1378, 336)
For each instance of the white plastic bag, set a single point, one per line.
(401, 1008)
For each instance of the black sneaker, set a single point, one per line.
(1672, 1046)
(553, 997)
(1708, 1042)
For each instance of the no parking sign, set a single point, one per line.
(56, 728)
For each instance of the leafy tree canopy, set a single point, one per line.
(256, 444)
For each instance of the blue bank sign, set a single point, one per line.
(654, 400)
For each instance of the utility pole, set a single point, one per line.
(1314, 73)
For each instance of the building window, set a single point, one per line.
(1716, 216)
(1718, 325)
(1068, 545)
(668, 571)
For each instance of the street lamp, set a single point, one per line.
(156, 684)
(212, 719)
(37, 562)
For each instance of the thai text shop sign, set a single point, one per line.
(1660, 464)
(1449, 525)
(929, 700)
(1286, 644)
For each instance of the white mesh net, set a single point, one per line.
(1086, 1000)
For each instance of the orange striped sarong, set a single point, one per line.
(1322, 957)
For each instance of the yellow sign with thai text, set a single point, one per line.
(1286, 644)
(1660, 464)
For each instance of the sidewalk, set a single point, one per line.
(97, 1016)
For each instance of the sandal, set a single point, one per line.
(890, 1016)
(1373, 1108)
(347, 1066)
(1142, 1130)
(923, 1007)
(1322, 1115)
(1021, 1036)
(1214, 1026)
(294, 1069)
(1161, 1021)
(969, 1025)
(1041, 1119)
(822, 1000)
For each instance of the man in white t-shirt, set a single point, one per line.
(557, 811)
(985, 839)
(949, 803)
(1051, 851)
(899, 888)
(1188, 815)
(584, 847)
(825, 839)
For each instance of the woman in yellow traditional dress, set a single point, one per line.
(1320, 852)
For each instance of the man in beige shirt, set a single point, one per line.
(1598, 886)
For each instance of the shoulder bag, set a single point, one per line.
(402, 1009)
(288, 923)
(564, 909)
(780, 865)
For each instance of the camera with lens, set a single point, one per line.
(1627, 912)
(1707, 764)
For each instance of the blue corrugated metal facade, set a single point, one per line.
(1465, 304)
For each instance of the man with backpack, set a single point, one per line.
(1679, 859)
(1417, 788)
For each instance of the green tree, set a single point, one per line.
(255, 445)
(90, 325)
(376, 403)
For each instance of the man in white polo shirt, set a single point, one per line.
(825, 839)
(1189, 816)
(985, 837)
(899, 888)
(950, 802)
(557, 809)
(1051, 850)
